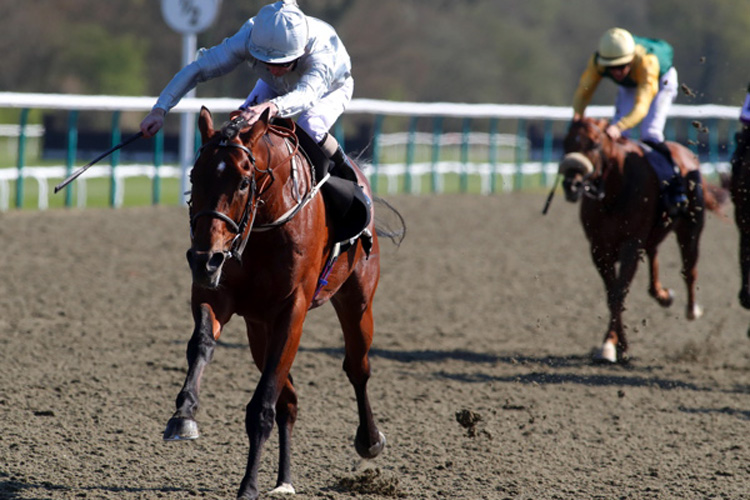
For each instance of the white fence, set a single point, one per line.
(390, 171)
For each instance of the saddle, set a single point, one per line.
(347, 204)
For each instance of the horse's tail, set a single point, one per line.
(389, 223)
(716, 196)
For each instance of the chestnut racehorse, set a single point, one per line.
(622, 216)
(261, 247)
(740, 191)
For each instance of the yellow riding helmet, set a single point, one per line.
(616, 47)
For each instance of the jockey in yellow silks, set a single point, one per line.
(647, 86)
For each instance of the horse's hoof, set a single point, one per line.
(667, 301)
(179, 429)
(282, 489)
(374, 450)
(607, 353)
(694, 313)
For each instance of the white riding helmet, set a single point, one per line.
(279, 34)
(616, 47)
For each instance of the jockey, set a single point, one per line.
(647, 86)
(302, 67)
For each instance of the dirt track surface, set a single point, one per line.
(488, 312)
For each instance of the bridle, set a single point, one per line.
(244, 226)
(237, 246)
(592, 188)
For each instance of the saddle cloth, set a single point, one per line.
(663, 167)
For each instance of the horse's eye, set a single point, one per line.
(244, 183)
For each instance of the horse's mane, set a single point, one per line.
(232, 128)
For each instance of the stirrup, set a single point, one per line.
(366, 238)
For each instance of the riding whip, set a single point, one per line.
(81, 170)
(551, 194)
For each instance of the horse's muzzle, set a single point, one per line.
(206, 267)
(572, 187)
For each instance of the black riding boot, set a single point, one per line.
(342, 167)
(345, 169)
(673, 195)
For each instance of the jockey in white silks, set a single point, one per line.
(303, 71)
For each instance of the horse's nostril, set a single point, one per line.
(215, 262)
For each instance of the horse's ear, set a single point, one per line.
(205, 124)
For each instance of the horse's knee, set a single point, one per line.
(201, 346)
(357, 372)
(259, 419)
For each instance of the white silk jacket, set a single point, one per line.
(325, 66)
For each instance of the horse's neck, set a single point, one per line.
(291, 180)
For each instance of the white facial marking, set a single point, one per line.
(221, 166)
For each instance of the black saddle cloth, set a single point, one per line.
(348, 205)
(661, 161)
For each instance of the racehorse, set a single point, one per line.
(261, 248)
(622, 216)
(740, 191)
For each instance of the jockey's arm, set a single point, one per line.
(211, 63)
(646, 76)
(315, 81)
(586, 86)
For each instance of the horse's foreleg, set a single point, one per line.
(628, 267)
(614, 344)
(744, 295)
(355, 314)
(200, 350)
(286, 416)
(279, 346)
(286, 410)
(663, 296)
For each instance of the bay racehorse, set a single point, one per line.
(740, 191)
(261, 249)
(622, 217)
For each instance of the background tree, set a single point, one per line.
(500, 51)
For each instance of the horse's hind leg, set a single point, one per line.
(663, 296)
(354, 309)
(744, 295)
(200, 350)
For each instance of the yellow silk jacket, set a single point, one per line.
(644, 75)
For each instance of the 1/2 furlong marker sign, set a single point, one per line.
(190, 16)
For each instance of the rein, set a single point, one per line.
(246, 224)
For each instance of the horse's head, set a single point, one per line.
(582, 165)
(226, 180)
